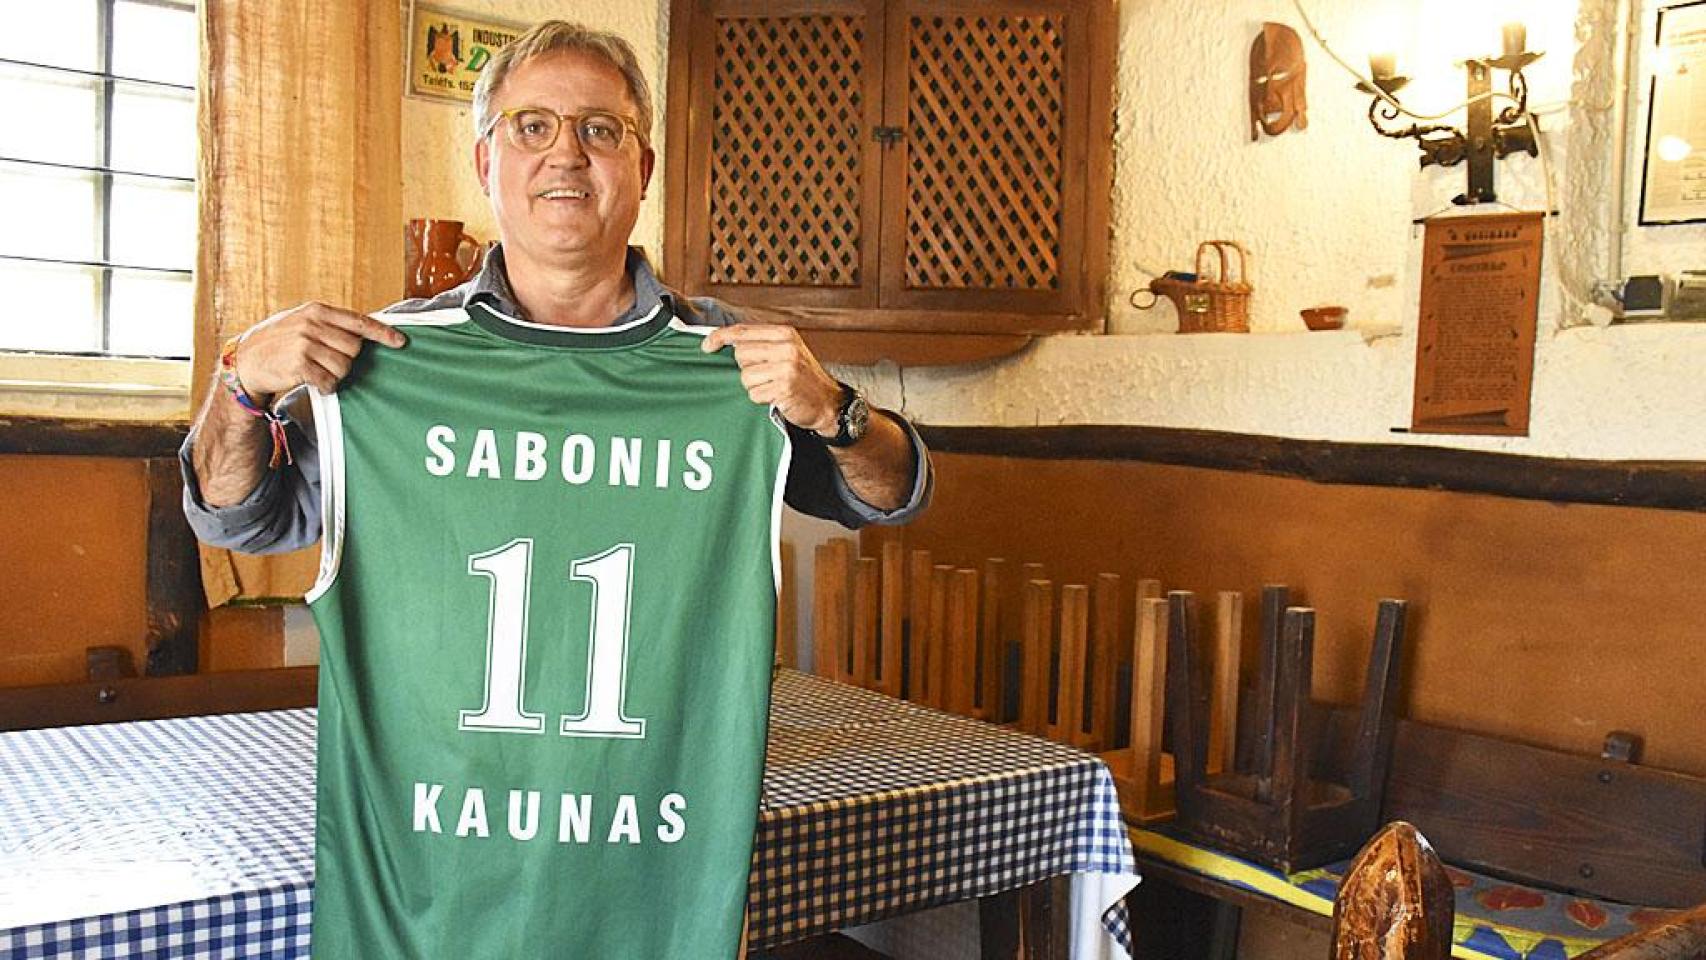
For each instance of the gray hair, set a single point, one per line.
(553, 36)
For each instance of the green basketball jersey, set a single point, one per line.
(547, 609)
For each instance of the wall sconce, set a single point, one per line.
(1487, 139)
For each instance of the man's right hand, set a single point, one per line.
(312, 344)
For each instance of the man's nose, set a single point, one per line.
(568, 150)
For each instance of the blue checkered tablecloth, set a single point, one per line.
(195, 837)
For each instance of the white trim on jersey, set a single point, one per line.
(776, 500)
(329, 426)
(697, 329)
(555, 328)
(447, 317)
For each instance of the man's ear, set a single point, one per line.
(648, 160)
(483, 163)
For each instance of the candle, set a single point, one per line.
(1516, 39)
(1384, 66)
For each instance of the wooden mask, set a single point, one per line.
(1278, 75)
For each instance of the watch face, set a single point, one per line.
(858, 417)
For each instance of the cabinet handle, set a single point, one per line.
(887, 135)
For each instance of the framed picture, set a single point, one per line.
(1673, 188)
(448, 49)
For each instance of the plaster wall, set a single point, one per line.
(1326, 212)
(438, 135)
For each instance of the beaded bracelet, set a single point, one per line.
(234, 386)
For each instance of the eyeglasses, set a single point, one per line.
(535, 129)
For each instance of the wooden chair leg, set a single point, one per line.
(936, 638)
(1154, 795)
(1107, 626)
(1038, 630)
(1291, 703)
(1045, 920)
(1275, 599)
(992, 643)
(787, 615)
(866, 599)
(1069, 678)
(918, 625)
(998, 926)
(1379, 723)
(893, 618)
(1228, 649)
(1188, 725)
(830, 609)
(960, 674)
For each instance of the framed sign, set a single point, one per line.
(448, 49)
(1475, 341)
(1674, 187)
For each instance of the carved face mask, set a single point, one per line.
(1278, 75)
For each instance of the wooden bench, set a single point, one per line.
(1396, 903)
(1536, 825)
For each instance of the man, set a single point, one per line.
(564, 260)
(454, 543)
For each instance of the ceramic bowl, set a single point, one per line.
(1324, 318)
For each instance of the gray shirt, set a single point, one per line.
(283, 511)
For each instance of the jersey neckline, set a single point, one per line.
(582, 338)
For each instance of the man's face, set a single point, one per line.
(537, 217)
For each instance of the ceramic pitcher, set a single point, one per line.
(436, 257)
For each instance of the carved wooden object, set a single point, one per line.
(1279, 73)
(1395, 902)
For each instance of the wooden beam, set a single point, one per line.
(90, 438)
(152, 698)
(1669, 485)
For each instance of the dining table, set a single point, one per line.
(194, 836)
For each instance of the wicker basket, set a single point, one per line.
(1219, 305)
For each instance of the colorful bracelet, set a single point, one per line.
(234, 386)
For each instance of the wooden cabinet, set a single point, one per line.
(897, 167)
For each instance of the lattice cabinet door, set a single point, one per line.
(984, 189)
(783, 175)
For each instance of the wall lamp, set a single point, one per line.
(1487, 137)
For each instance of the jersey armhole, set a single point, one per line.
(329, 427)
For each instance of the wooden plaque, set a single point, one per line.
(1475, 342)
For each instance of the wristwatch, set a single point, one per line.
(851, 420)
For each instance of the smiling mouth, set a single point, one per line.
(565, 194)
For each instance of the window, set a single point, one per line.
(97, 178)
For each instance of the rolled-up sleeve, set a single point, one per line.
(281, 514)
(816, 486)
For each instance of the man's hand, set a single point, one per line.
(314, 344)
(777, 368)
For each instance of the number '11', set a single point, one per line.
(510, 570)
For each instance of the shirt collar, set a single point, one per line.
(491, 287)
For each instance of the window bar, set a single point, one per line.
(86, 168)
(53, 68)
(107, 15)
(101, 264)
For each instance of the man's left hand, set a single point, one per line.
(777, 368)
